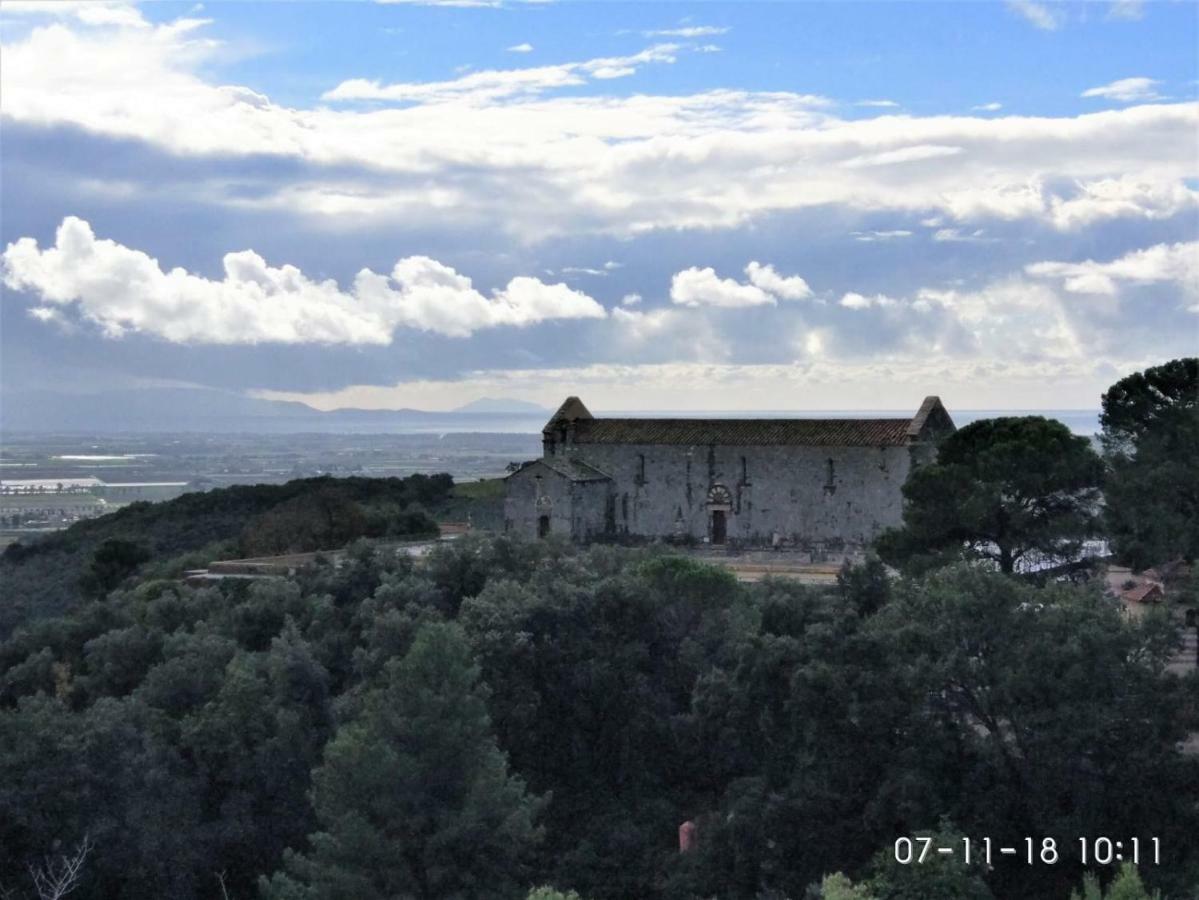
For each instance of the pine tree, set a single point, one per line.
(414, 797)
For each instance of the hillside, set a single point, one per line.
(50, 574)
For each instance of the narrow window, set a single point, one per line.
(830, 479)
(641, 468)
(744, 470)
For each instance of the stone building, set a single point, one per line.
(815, 484)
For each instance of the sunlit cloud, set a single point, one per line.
(122, 290)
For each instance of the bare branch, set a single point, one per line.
(56, 878)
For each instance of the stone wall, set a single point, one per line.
(578, 509)
(808, 496)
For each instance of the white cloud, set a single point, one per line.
(620, 165)
(1011, 323)
(1127, 90)
(791, 287)
(630, 299)
(1177, 263)
(687, 31)
(901, 155)
(89, 12)
(124, 290)
(702, 287)
(881, 104)
(955, 235)
(854, 300)
(890, 235)
(1046, 16)
(641, 326)
(1129, 10)
(526, 47)
(988, 107)
(997, 344)
(1126, 197)
(497, 84)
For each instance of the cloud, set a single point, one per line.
(955, 235)
(870, 236)
(688, 31)
(124, 290)
(702, 287)
(554, 165)
(671, 333)
(901, 155)
(630, 299)
(1176, 263)
(882, 104)
(785, 288)
(1129, 197)
(996, 343)
(988, 107)
(521, 48)
(88, 12)
(1129, 10)
(497, 84)
(853, 300)
(1127, 90)
(642, 326)
(1045, 16)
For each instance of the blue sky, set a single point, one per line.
(685, 206)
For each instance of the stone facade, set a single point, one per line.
(815, 484)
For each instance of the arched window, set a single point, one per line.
(719, 495)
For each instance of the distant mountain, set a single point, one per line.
(500, 405)
(206, 409)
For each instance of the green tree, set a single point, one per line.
(549, 893)
(1009, 708)
(320, 520)
(1151, 444)
(113, 562)
(838, 887)
(1127, 885)
(938, 877)
(1001, 489)
(414, 797)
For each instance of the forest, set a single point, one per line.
(510, 719)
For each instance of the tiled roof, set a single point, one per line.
(1147, 592)
(746, 432)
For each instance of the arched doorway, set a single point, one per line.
(720, 504)
(720, 526)
(543, 526)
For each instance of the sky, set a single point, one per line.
(679, 206)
